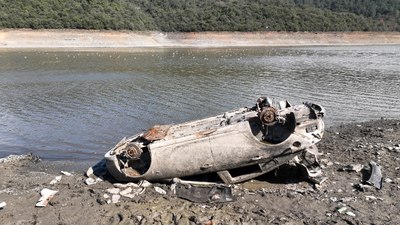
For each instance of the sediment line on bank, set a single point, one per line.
(20, 39)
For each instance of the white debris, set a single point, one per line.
(126, 191)
(91, 181)
(47, 195)
(388, 180)
(130, 184)
(106, 196)
(55, 180)
(160, 190)
(145, 183)
(350, 214)
(342, 210)
(2, 205)
(113, 191)
(132, 192)
(115, 198)
(370, 197)
(68, 174)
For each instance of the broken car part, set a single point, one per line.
(376, 175)
(237, 145)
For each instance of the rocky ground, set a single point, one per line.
(280, 197)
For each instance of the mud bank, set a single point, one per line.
(78, 39)
(281, 197)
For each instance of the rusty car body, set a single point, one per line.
(237, 145)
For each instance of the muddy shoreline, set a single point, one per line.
(88, 40)
(281, 197)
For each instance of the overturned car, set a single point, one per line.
(237, 145)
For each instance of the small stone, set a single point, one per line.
(2, 205)
(106, 196)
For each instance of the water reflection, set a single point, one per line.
(77, 105)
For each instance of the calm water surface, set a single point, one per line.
(77, 105)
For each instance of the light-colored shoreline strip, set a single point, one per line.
(88, 39)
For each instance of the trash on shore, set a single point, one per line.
(352, 167)
(96, 173)
(68, 174)
(90, 181)
(376, 175)
(55, 180)
(160, 190)
(47, 195)
(2, 205)
(238, 145)
(211, 194)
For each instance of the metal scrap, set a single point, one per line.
(376, 175)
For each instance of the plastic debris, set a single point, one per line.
(55, 180)
(342, 210)
(47, 195)
(126, 191)
(91, 181)
(160, 190)
(145, 183)
(113, 190)
(370, 197)
(68, 174)
(130, 184)
(350, 214)
(133, 192)
(115, 198)
(2, 205)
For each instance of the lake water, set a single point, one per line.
(78, 105)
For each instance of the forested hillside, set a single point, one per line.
(203, 15)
